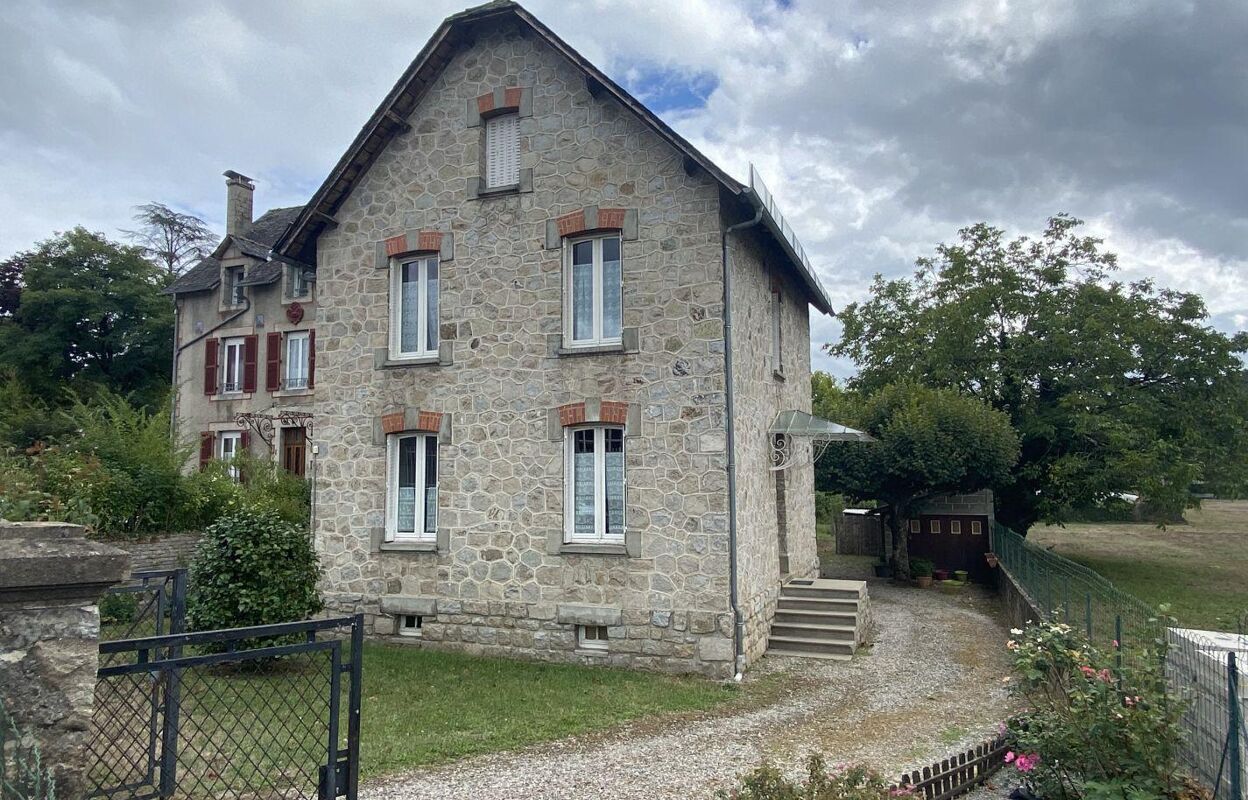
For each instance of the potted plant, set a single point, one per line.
(940, 574)
(961, 575)
(921, 569)
(952, 586)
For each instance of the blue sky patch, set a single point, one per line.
(665, 89)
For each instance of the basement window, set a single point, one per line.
(411, 625)
(591, 637)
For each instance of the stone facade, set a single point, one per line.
(499, 578)
(50, 581)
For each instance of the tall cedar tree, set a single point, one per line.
(171, 238)
(82, 312)
(1113, 387)
(928, 442)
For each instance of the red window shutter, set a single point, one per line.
(244, 441)
(210, 367)
(250, 345)
(273, 362)
(311, 359)
(206, 441)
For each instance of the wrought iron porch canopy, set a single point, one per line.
(821, 432)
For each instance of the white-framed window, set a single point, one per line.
(914, 526)
(591, 637)
(229, 445)
(295, 368)
(300, 286)
(234, 286)
(502, 151)
(594, 291)
(411, 625)
(934, 525)
(594, 485)
(977, 528)
(232, 365)
(777, 355)
(414, 308)
(955, 526)
(412, 487)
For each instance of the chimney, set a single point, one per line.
(238, 189)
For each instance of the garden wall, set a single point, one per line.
(171, 551)
(1019, 607)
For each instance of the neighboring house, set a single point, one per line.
(524, 413)
(246, 341)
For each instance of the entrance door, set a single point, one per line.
(294, 450)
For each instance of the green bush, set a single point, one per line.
(828, 508)
(1095, 728)
(841, 783)
(252, 568)
(921, 567)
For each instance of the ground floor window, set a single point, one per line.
(594, 493)
(591, 637)
(412, 496)
(230, 445)
(294, 451)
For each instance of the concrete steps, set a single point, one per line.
(820, 618)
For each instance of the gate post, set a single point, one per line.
(51, 578)
(1233, 726)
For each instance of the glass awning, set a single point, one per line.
(799, 423)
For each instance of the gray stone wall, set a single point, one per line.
(50, 580)
(980, 502)
(171, 551)
(199, 312)
(497, 582)
(760, 394)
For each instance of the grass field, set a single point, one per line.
(1200, 568)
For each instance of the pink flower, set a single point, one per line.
(1128, 701)
(1026, 763)
(1115, 643)
(1009, 756)
(1087, 671)
(1103, 675)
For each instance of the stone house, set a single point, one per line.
(242, 307)
(552, 339)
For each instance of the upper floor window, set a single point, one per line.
(296, 366)
(594, 485)
(234, 286)
(414, 308)
(300, 285)
(502, 151)
(594, 290)
(412, 487)
(232, 364)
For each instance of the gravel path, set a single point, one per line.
(930, 686)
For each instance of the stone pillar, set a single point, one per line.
(51, 578)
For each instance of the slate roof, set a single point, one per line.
(299, 238)
(256, 241)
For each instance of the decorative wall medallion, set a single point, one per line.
(294, 312)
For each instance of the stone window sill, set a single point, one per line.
(231, 396)
(496, 191)
(293, 393)
(593, 350)
(588, 549)
(409, 547)
(423, 361)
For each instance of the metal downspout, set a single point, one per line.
(738, 626)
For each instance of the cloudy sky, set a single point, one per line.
(882, 127)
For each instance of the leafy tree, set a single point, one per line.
(86, 313)
(170, 238)
(928, 442)
(1113, 387)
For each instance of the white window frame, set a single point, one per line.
(597, 339)
(235, 294)
(933, 526)
(502, 158)
(415, 630)
(916, 526)
(955, 527)
(600, 535)
(239, 345)
(299, 286)
(422, 316)
(392, 490)
(236, 438)
(300, 380)
(592, 637)
(977, 528)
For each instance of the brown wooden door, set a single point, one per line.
(294, 450)
(952, 542)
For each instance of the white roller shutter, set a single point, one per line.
(502, 151)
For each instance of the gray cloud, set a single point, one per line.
(881, 127)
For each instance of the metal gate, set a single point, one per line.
(271, 711)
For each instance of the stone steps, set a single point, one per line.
(819, 618)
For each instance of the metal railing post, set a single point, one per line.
(353, 718)
(1087, 613)
(173, 691)
(1233, 727)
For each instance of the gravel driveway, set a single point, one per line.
(930, 686)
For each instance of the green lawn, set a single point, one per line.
(1198, 568)
(422, 706)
